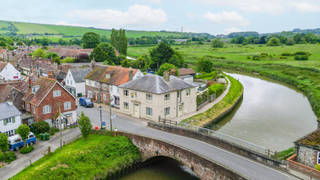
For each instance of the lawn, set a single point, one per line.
(84, 159)
(3, 24)
(29, 28)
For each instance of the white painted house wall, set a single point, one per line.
(81, 88)
(69, 80)
(10, 72)
(10, 126)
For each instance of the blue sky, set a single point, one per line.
(211, 16)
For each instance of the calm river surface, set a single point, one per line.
(166, 169)
(271, 114)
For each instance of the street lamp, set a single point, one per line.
(100, 117)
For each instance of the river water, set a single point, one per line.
(271, 114)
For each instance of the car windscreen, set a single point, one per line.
(88, 100)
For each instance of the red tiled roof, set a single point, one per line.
(45, 85)
(2, 51)
(184, 71)
(2, 65)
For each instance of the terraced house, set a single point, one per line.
(43, 98)
(103, 81)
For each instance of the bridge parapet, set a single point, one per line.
(203, 167)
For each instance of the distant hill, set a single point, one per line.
(22, 28)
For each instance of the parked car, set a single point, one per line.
(16, 142)
(87, 102)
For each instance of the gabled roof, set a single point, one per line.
(156, 84)
(2, 51)
(7, 111)
(184, 71)
(118, 75)
(60, 75)
(79, 74)
(312, 139)
(2, 65)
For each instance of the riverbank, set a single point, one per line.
(304, 78)
(219, 110)
(95, 158)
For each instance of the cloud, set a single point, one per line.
(64, 23)
(190, 15)
(154, 1)
(225, 17)
(268, 6)
(137, 15)
(231, 30)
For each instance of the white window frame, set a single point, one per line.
(67, 105)
(97, 84)
(89, 94)
(34, 110)
(111, 89)
(67, 81)
(149, 111)
(167, 97)
(104, 97)
(89, 82)
(126, 106)
(56, 93)
(70, 82)
(28, 107)
(126, 92)
(46, 109)
(167, 111)
(149, 97)
(188, 92)
(104, 86)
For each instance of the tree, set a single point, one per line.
(9, 41)
(217, 43)
(51, 54)
(57, 60)
(283, 39)
(126, 63)
(4, 144)
(160, 54)
(140, 63)
(19, 43)
(2, 43)
(23, 130)
(39, 53)
(119, 40)
(290, 42)
(90, 40)
(45, 42)
(62, 42)
(99, 55)
(204, 65)
(83, 57)
(85, 125)
(168, 67)
(274, 42)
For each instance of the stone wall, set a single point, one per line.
(202, 105)
(203, 167)
(216, 142)
(307, 156)
(303, 168)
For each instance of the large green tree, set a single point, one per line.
(274, 41)
(85, 125)
(160, 54)
(39, 53)
(119, 40)
(4, 144)
(204, 65)
(23, 130)
(104, 52)
(140, 63)
(51, 54)
(217, 43)
(168, 67)
(90, 40)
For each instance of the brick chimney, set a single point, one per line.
(172, 72)
(12, 62)
(50, 74)
(130, 74)
(166, 75)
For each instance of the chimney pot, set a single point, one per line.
(172, 72)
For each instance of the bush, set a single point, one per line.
(41, 127)
(256, 58)
(216, 89)
(202, 98)
(317, 167)
(212, 75)
(10, 156)
(244, 43)
(283, 57)
(301, 58)
(274, 42)
(263, 55)
(26, 150)
(53, 130)
(286, 54)
(248, 57)
(302, 53)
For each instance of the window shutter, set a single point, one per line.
(13, 119)
(5, 121)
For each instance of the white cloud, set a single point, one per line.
(64, 23)
(225, 17)
(137, 15)
(269, 6)
(154, 1)
(191, 15)
(231, 30)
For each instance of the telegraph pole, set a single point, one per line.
(60, 127)
(110, 110)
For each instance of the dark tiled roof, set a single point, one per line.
(156, 84)
(184, 71)
(312, 139)
(79, 74)
(25, 63)
(96, 73)
(61, 75)
(45, 85)
(7, 111)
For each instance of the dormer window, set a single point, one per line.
(107, 76)
(35, 89)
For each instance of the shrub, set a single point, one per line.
(260, 46)
(286, 54)
(26, 150)
(212, 75)
(10, 156)
(216, 88)
(244, 43)
(302, 53)
(317, 167)
(263, 55)
(41, 127)
(256, 58)
(53, 130)
(202, 98)
(301, 58)
(283, 57)
(248, 57)
(274, 42)
(221, 57)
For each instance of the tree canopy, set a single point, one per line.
(274, 41)
(104, 52)
(23, 130)
(51, 54)
(4, 144)
(217, 43)
(204, 65)
(119, 40)
(90, 40)
(84, 125)
(39, 53)
(168, 67)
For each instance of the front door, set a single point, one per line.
(136, 111)
(180, 110)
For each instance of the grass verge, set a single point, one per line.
(82, 159)
(227, 102)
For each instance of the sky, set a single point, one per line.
(210, 16)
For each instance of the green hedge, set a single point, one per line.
(202, 98)
(216, 88)
(10, 156)
(26, 150)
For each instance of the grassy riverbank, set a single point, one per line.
(84, 159)
(306, 79)
(228, 101)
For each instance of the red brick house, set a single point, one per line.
(43, 98)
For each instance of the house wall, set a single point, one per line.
(54, 102)
(158, 103)
(10, 126)
(81, 88)
(69, 80)
(307, 156)
(9, 72)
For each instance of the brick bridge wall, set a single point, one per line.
(217, 142)
(203, 167)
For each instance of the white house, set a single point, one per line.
(75, 80)
(9, 72)
(10, 118)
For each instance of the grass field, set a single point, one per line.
(3, 24)
(84, 159)
(193, 52)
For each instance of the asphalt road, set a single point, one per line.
(238, 163)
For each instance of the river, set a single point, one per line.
(271, 114)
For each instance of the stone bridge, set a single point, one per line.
(203, 167)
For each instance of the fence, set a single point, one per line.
(167, 121)
(72, 139)
(234, 140)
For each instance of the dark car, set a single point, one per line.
(87, 102)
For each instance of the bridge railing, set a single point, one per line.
(234, 140)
